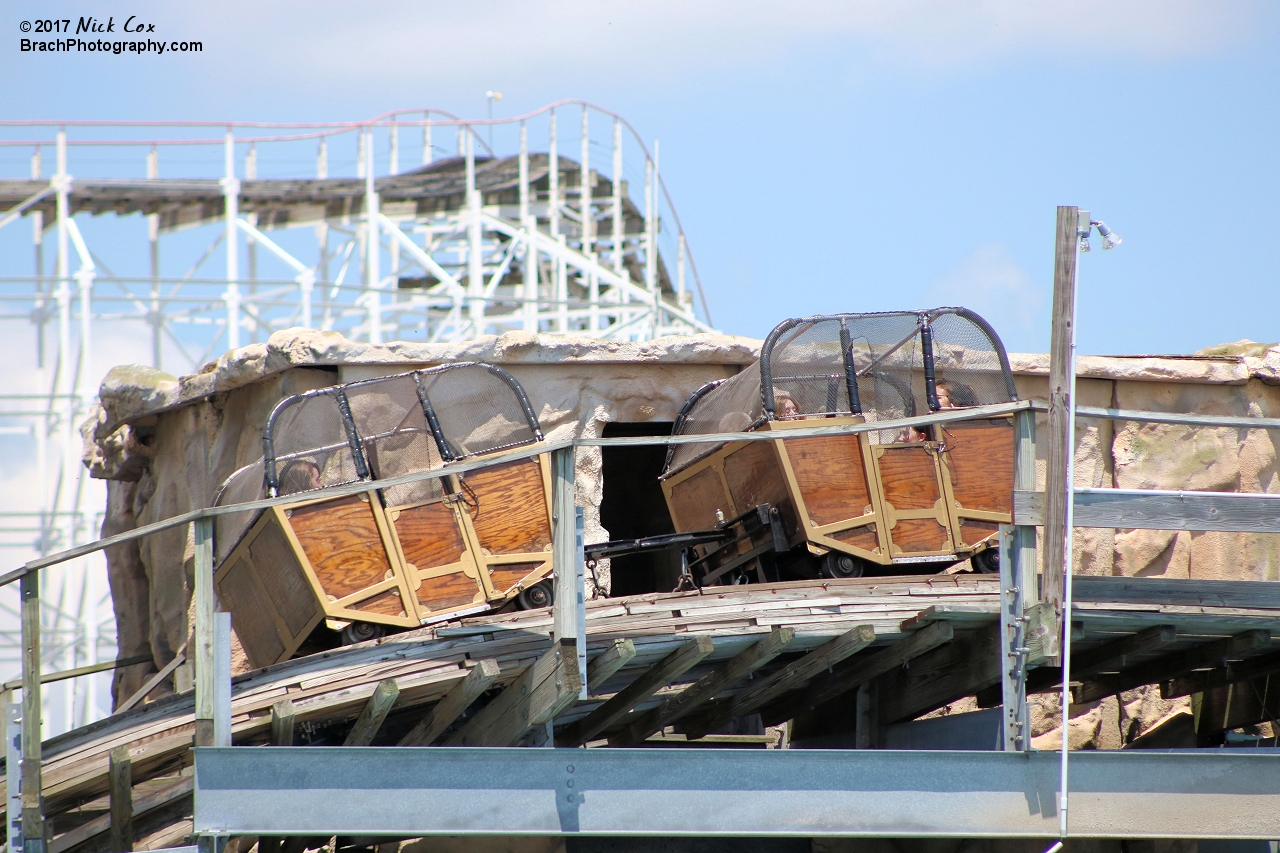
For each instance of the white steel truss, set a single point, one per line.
(476, 238)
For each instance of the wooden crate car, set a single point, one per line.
(389, 557)
(876, 501)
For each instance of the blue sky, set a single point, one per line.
(823, 156)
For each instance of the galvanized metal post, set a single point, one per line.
(1013, 649)
(33, 829)
(221, 678)
(13, 758)
(206, 680)
(563, 544)
(1024, 479)
(580, 594)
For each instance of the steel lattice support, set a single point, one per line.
(239, 241)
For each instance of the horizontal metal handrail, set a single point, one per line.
(1176, 418)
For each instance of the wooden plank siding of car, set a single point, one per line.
(432, 540)
(915, 500)
(264, 585)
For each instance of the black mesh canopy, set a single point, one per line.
(377, 429)
(881, 366)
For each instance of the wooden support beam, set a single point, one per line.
(282, 714)
(542, 691)
(1230, 706)
(375, 711)
(947, 673)
(142, 803)
(1109, 657)
(650, 681)
(1214, 654)
(204, 633)
(1144, 509)
(791, 677)
(120, 769)
(454, 704)
(32, 739)
(855, 673)
(1199, 682)
(706, 688)
(141, 693)
(605, 664)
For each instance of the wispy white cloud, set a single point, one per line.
(991, 282)
(336, 41)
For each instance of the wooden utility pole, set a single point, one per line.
(1058, 476)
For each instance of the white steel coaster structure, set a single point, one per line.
(465, 243)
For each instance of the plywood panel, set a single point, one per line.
(282, 574)
(979, 457)
(511, 515)
(386, 603)
(448, 591)
(252, 617)
(429, 535)
(831, 476)
(505, 577)
(694, 501)
(755, 476)
(910, 477)
(973, 532)
(341, 540)
(914, 535)
(859, 537)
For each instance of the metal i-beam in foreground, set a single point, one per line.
(508, 791)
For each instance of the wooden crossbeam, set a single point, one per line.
(1241, 703)
(375, 711)
(853, 674)
(791, 677)
(612, 711)
(282, 714)
(545, 688)
(722, 677)
(1108, 657)
(946, 673)
(121, 776)
(1232, 673)
(454, 704)
(608, 662)
(142, 804)
(1214, 654)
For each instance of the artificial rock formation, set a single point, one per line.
(165, 443)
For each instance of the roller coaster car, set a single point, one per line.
(880, 501)
(391, 556)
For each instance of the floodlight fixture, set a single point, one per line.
(1110, 239)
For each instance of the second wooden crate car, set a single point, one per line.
(388, 557)
(875, 501)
